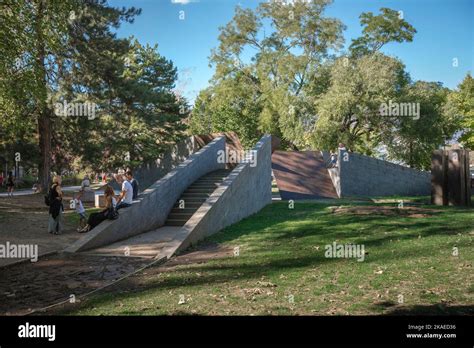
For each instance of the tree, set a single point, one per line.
(461, 102)
(283, 67)
(138, 115)
(412, 139)
(230, 105)
(40, 56)
(389, 26)
(67, 52)
(348, 111)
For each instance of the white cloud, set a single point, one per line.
(183, 2)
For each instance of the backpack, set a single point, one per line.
(48, 197)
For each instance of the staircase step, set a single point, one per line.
(186, 210)
(172, 222)
(180, 216)
(204, 185)
(194, 195)
(190, 201)
(199, 190)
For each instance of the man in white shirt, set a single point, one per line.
(126, 195)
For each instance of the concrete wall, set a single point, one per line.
(148, 173)
(154, 205)
(361, 175)
(244, 192)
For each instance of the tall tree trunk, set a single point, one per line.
(44, 122)
(410, 155)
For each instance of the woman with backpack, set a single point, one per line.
(55, 206)
(108, 213)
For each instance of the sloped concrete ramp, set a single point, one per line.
(155, 244)
(302, 175)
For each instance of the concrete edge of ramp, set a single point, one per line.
(154, 205)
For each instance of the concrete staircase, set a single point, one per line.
(194, 196)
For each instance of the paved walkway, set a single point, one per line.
(158, 243)
(25, 192)
(302, 175)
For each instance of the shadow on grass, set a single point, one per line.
(434, 309)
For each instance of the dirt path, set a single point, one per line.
(24, 220)
(52, 280)
(29, 286)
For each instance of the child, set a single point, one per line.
(81, 211)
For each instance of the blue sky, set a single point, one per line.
(445, 33)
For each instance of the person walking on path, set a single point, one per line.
(55, 207)
(10, 184)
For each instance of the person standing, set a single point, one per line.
(10, 184)
(1, 179)
(133, 182)
(55, 206)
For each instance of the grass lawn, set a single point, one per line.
(281, 269)
(73, 218)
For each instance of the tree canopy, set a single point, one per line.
(280, 69)
(67, 52)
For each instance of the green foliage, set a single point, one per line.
(277, 84)
(67, 51)
(232, 105)
(292, 87)
(414, 139)
(379, 30)
(461, 104)
(348, 111)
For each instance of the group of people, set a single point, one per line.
(9, 182)
(128, 193)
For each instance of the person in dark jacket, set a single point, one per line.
(10, 184)
(55, 207)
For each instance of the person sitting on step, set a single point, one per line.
(108, 213)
